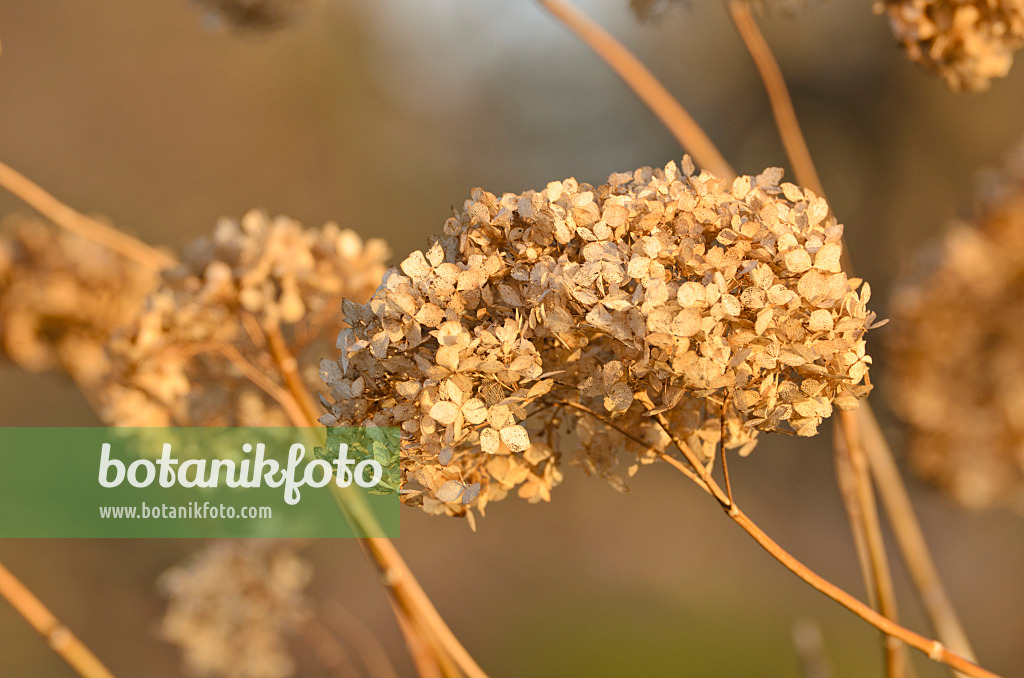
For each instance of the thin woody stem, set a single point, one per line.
(683, 468)
(60, 638)
(881, 575)
(910, 537)
(848, 492)
(87, 227)
(395, 574)
(283, 397)
(288, 366)
(935, 650)
(862, 424)
(423, 656)
(778, 95)
(643, 83)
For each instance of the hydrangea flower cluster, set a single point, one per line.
(967, 42)
(663, 299)
(61, 298)
(233, 607)
(197, 354)
(958, 359)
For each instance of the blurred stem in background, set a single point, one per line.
(59, 637)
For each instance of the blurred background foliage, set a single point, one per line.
(382, 116)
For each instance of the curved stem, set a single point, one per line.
(910, 536)
(873, 542)
(61, 639)
(933, 648)
(888, 480)
(778, 95)
(79, 224)
(643, 83)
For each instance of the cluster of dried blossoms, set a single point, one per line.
(201, 352)
(619, 312)
(233, 607)
(967, 42)
(61, 298)
(959, 357)
(254, 15)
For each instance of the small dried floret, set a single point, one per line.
(958, 358)
(662, 295)
(62, 296)
(967, 42)
(190, 357)
(233, 607)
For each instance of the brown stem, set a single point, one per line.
(60, 638)
(847, 485)
(395, 574)
(332, 656)
(288, 366)
(78, 223)
(910, 537)
(643, 83)
(933, 648)
(778, 95)
(881, 575)
(886, 474)
(283, 397)
(366, 644)
(423, 656)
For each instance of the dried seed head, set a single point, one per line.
(958, 358)
(253, 15)
(188, 359)
(592, 309)
(61, 297)
(233, 606)
(967, 42)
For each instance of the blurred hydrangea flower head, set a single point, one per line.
(61, 298)
(252, 15)
(661, 296)
(233, 607)
(959, 355)
(190, 357)
(967, 42)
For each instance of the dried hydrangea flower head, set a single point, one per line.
(61, 297)
(253, 15)
(233, 606)
(967, 42)
(591, 310)
(958, 358)
(652, 9)
(190, 358)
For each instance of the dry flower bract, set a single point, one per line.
(233, 606)
(660, 292)
(959, 357)
(967, 42)
(191, 356)
(62, 296)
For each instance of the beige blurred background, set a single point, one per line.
(382, 116)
